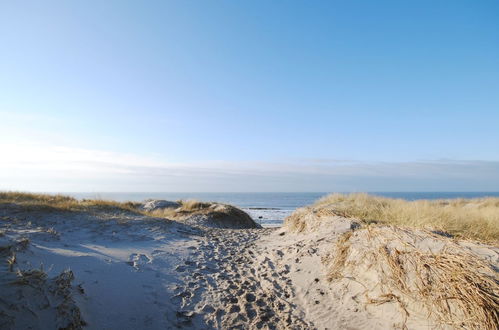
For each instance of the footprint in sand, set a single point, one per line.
(138, 261)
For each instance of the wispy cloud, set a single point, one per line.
(60, 168)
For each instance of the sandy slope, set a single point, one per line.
(123, 266)
(132, 271)
(116, 270)
(384, 277)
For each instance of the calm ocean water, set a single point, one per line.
(271, 208)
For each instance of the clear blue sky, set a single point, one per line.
(249, 95)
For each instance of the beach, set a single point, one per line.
(109, 265)
(277, 165)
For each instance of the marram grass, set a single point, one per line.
(47, 202)
(476, 218)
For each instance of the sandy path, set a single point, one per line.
(227, 286)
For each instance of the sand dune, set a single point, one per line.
(116, 268)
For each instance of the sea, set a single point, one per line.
(268, 208)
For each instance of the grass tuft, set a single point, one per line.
(47, 202)
(33, 277)
(417, 268)
(476, 218)
(221, 213)
(11, 261)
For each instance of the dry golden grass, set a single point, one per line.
(397, 258)
(33, 277)
(11, 261)
(47, 202)
(419, 271)
(220, 213)
(340, 257)
(464, 218)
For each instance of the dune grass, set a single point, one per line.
(397, 257)
(188, 208)
(192, 205)
(453, 286)
(48, 202)
(476, 218)
(216, 211)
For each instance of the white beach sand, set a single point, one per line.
(119, 270)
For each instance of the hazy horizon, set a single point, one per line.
(97, 193)
(249, 96)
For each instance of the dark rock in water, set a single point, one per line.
(156, 204)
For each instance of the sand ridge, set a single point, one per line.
(114, 269)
